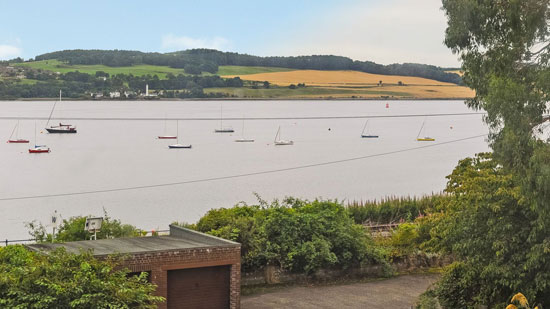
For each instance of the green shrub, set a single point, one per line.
(63, 280)
(297, 235)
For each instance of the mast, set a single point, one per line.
(221, 116)
(277, 135)
(35, 134)
(421, 128)
(178, 131)
(11, 135)
(363, 132)
(51, 113)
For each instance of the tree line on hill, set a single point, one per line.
(195, 61)
(80, 85)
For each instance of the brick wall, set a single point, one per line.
(160, 262)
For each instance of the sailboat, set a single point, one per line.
(16, 139)
(164, 136)
(243, 139)
(367, 135)
(38, 148)
(426, 138)
(279, 141)
(177, 145)
(61, 128)
(222, 129)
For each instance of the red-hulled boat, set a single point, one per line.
(39, 149)
(167, 137)
(18, 141)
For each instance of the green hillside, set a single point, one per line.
(142, 69)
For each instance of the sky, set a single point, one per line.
(389, 31)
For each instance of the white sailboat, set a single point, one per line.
(177, 145)
(223, 129)
(243, 139)
(38, 148)
(281, 142)
(426, 137)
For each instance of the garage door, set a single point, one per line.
(205, 287)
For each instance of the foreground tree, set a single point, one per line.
(504, 46)
(63, 280)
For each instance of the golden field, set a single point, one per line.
(334, 78)
(350, 84)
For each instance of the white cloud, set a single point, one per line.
(392, 31)
(172, 42)
(9, 52)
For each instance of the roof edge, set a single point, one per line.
(178, 231)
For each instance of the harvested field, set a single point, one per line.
(335, 78)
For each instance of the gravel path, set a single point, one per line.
(398, 292)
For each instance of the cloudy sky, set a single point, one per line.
(390, 31)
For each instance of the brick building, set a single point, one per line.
(190, 269)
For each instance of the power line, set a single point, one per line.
(241, 175)
(248, 118)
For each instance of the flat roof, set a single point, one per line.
(179, 238)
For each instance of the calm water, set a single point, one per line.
(111, 154)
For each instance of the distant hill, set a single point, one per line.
(197, 61)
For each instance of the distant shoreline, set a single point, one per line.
(238, 99)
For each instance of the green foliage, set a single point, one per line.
(405, 237)
(72, 229)
(391, 210)
(299, 236)
(63, 280)
(498, 222)
(486, 225)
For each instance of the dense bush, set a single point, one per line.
(297, 235)
(63, 280)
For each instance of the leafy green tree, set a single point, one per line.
(505, 51)
(486, 225)
(72, 229)
(62, 280)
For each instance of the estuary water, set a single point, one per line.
(116, 148)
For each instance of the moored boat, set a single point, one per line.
(38, 148)
(426, 138)
(243, 139)
(281, 142)
(223, 129)
(16, 140)
(177, 145)
(367, 135)
(61, 128)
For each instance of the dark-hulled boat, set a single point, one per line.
(62, 128)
